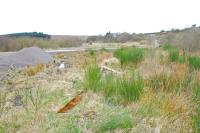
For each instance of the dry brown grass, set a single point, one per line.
(151, 66)
(177, 114)
(103, 56)
(179, 72)
(33, 70)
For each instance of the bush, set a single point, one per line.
(194, 62)
(126, 55)
(92, 77)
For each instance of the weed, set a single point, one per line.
(194, 62)
(126, 55)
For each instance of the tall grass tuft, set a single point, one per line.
(126, 55)
(125, 90)
(194, 62)
(174, 55)
(33, 70)
(130, 90)
(182, 59)
(92, 77)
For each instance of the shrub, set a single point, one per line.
(126, 55)
(92, 77)
(194, 62)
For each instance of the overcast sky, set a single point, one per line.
(87, 17)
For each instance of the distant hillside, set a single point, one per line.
(64, 37)
(13, 42)
(188, 38)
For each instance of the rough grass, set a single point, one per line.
(164, 83)
(174, 54)
(196, 98)
(117, 121)
(123, 89)
(33, 70)
(92, 78)
(194, 62)
(127, 55)
(175, 81)
(168, 47)
(167, 102)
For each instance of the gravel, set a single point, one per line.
(27, 56)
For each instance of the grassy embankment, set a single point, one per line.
(158, 90)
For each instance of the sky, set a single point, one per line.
(93, 17)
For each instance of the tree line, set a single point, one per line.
(30, 34)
